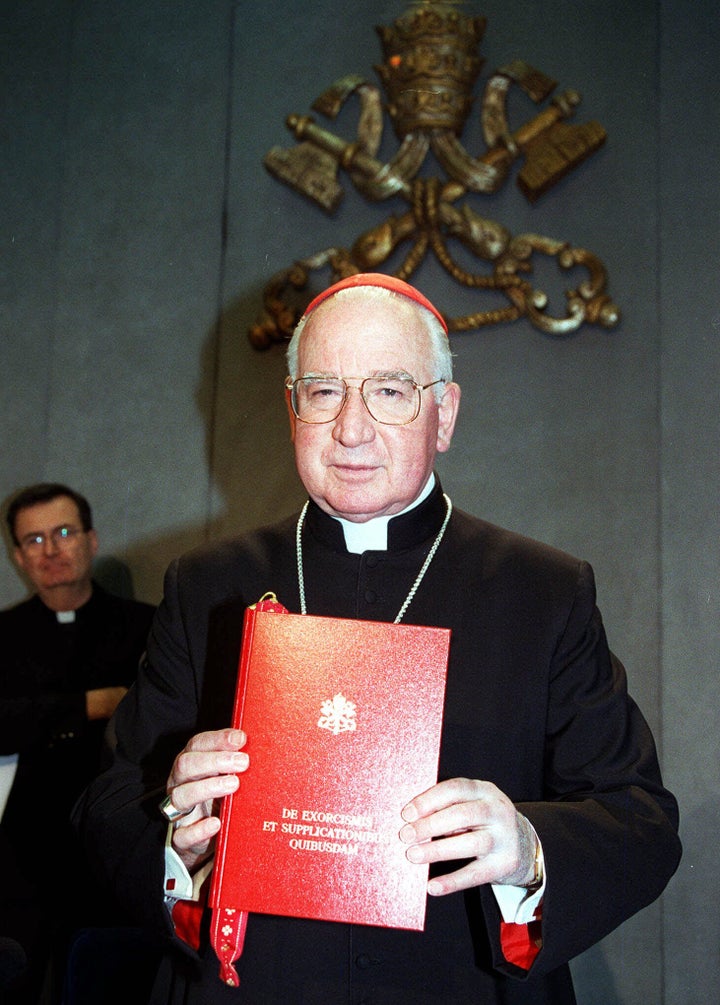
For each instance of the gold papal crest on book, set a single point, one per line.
(338, 715)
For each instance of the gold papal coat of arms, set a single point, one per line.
(429, 71)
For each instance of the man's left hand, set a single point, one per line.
(461, 819)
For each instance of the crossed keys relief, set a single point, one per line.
(430, 67)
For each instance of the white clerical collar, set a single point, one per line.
(65, 617)
(372, 535)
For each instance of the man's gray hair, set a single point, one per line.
(441, 356)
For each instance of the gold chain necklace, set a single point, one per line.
(413, 588)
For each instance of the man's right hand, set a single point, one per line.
(203, 772)
(101, 702)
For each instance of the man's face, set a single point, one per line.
(355, 467)
(54, 563)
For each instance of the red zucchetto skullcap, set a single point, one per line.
(378, 279)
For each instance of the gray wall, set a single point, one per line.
(139, 227)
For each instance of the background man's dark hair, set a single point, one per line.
(46, 492)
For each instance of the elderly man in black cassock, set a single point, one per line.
(549, 825)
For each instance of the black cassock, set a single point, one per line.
(535, 703)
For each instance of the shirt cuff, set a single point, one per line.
(518, 905)
(179, 884)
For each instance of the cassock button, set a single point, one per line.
(363, 961)
(370, 596)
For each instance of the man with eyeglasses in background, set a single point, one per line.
(67, 657)
(550, 824)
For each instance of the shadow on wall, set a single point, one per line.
(248, 477)
(114, 576)
(593, 979)
(249, 474)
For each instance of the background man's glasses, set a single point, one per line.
(393, 401)
(61, 537)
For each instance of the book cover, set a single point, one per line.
(343, 719)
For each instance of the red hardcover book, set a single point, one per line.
(343, 719)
